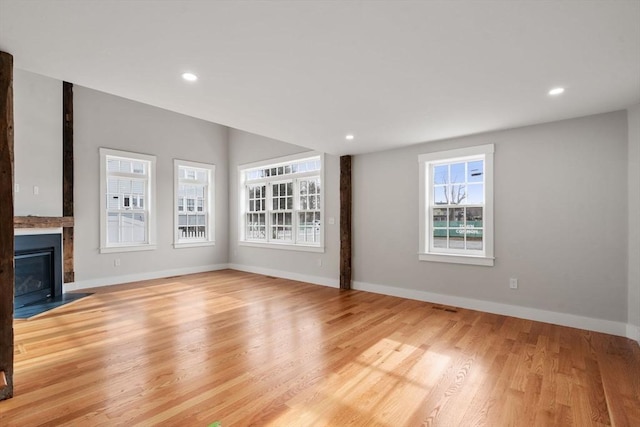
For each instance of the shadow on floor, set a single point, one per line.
(39, 307)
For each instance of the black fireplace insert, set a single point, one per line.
(38, 268)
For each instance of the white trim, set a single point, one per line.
(194, 244)
(633, 332)
(150, 201)
(457, 153)
(570, 320)
(315, 280)
(210, 212)
(277, 161)
(564, 319)
(281, 246)
(128, 278)
(127, 248)
(458, 259)
(425, 162)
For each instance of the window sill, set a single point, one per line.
(283, 246)
(181, 245)
(116, 249)
(457, 259)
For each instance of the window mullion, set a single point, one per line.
(268, 210)
(296, 209)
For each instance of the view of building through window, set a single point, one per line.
(194, 201)
(125, 192)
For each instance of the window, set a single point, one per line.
(281, 203)
(127, 201)
(456, 206)
(194, 197)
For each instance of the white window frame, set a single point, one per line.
(426, 162)
(150, 205)
(268, 181)
(209, 206)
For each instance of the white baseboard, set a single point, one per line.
(316, 280)
(571, 320)
(117, 280)
(633, 332)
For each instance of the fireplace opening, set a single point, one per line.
(34, 276)
(38, 268)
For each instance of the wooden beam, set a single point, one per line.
(345, 222)
(6, 223)
(42, 221)
(67, 179)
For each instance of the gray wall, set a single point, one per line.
(560, 219)
(245, 148)
(634, 220)
(38, 144)
(102, 120)
(567, 203)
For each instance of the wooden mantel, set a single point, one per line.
(42, 221)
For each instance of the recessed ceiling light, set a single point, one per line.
(349, 137)
(556, 91)
(190, 77)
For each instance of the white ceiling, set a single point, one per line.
(393, 73)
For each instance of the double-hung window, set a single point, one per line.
(281, 203)
(456, 206)
(194, 196)
(127, 201)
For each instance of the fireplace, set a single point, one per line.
(38, 268)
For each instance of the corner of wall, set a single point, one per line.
(633, 224)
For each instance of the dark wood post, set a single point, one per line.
(345, 222)
(67, 178)
(6, 224)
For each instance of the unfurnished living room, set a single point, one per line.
(319, 213)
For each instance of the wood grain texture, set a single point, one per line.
(345, 222)
(67, 179)
(67, 149)
(6, 222)
(250, 350)
(42, 221)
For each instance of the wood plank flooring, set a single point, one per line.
(249, 350)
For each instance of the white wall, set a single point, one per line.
(38, 144)
(633, 115)
(560, 222)
(102, 120)
(245, 148)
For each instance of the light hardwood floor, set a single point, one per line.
(246, 349)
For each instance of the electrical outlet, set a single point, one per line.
(513, 283)
(116, 262)
(319, 262)
(36, 190)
